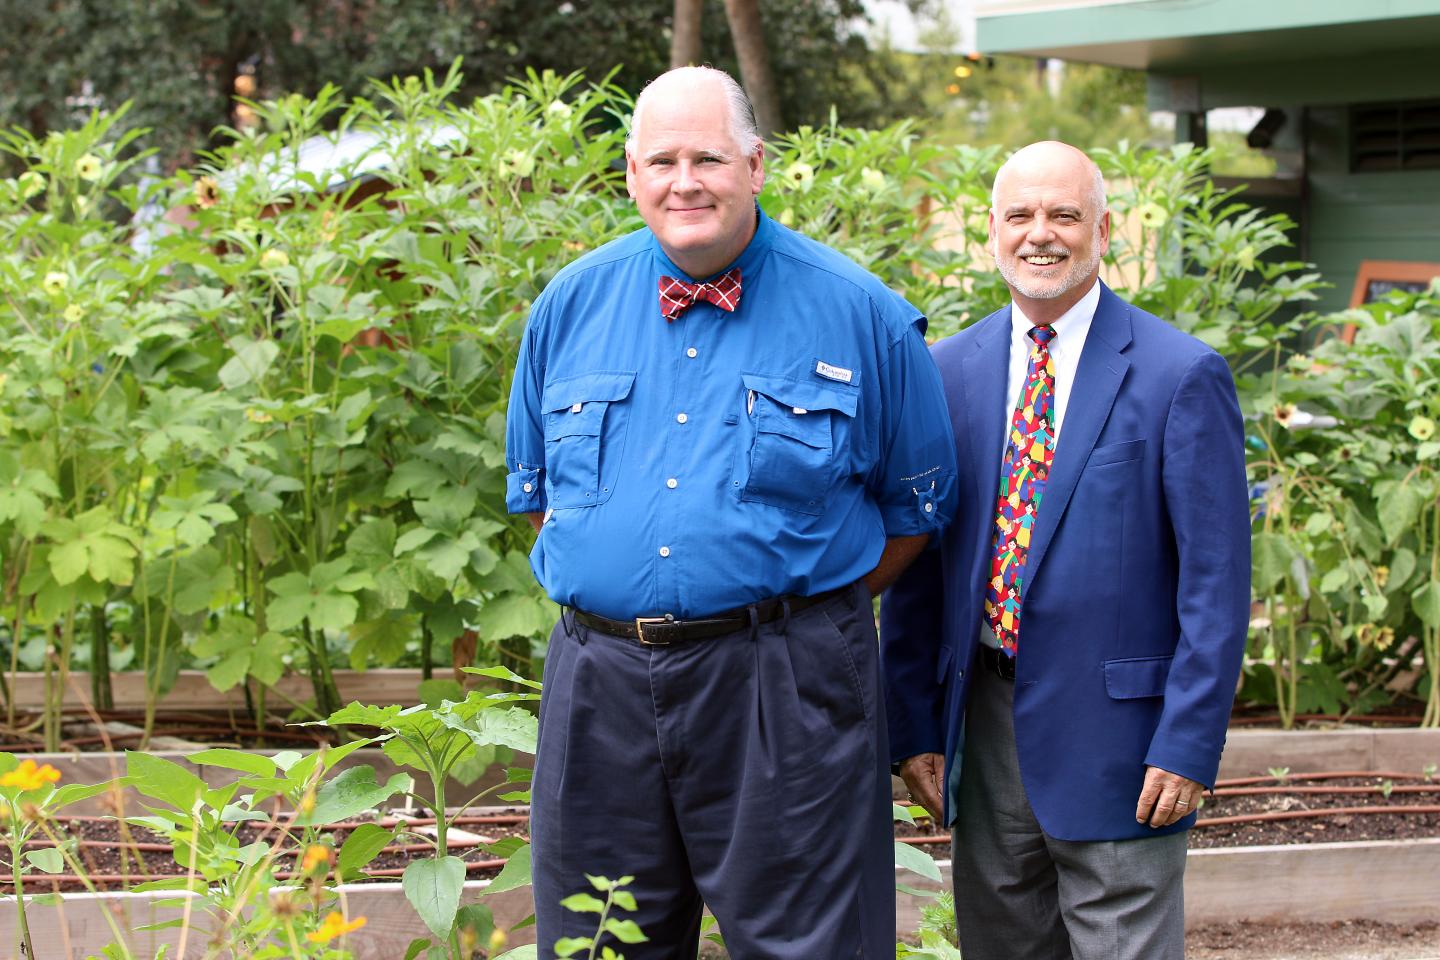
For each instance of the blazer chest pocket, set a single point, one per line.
(584, 428)
(1138, 677)
(797, 428)
(1122, 452)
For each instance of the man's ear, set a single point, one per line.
(1103, 229)
(631, 173)
(756, 161)
(990, 242)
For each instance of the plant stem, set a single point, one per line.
(100, 688)
(22, 931)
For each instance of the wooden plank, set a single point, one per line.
(97, 767)
(76, 925)
(1391, 881)
(193, 691)
(1394, 881)
(1253, 753)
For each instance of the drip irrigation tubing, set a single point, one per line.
(1312, 791)
(1322, 775)
(1316, 814)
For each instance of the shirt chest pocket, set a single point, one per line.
(796, 442)
(585, 420)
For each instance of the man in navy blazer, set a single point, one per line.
(1072, 765)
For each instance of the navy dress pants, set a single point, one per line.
(743, 772)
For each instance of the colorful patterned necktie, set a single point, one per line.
(676, 296)
(1028, 454)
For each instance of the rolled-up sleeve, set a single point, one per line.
(525, 431)
(914, 477)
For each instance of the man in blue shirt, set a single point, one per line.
(729, 439)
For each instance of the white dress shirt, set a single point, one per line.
(1065, 349)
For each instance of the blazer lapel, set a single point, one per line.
(1097, 381)
(986, 370)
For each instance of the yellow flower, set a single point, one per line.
(274, 259)
(30, 183)
(30, 776)
(1245, 259)
(1152, 215)
(260, 416)
(334, 925)
(787, 217)
(1422, 428)
(89, 167)
(872, 180)
(497, 941)
(1283, 414)
(316, 855)
(800, 175)
(207, 192)
(55, 282)
(74, 313)
(307, 802)
(1382, 576)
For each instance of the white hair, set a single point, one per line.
(741, 113)
(1097, 182)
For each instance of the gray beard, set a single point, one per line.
(1079, 270)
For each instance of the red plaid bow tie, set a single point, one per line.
(676, 296)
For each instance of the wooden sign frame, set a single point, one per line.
(1400, 271)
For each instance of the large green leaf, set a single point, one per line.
(251, 361)
(352, 792)
(511, 727)
(1398, 506)
(1273, 556)
(163, 780)
(362, 845)
(515, 873)
(433, 888)
(1426, 599)
(913, 858)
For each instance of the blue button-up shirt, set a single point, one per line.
(691, 467)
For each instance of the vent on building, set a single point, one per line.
(1395, 136)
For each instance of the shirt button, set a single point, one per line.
(528, 487)
(575, 408)
(692, 353)
(929, 508)
(664, 551)
(672, 483)
(799, 411)
(681, 418)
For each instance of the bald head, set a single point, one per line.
(1049, 159)
(700, 85)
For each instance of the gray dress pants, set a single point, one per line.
(1022, 895)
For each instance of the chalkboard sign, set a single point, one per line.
(1376, 278)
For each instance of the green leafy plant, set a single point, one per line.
(437, 740)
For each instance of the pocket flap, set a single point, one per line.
(1138, 677)
(803, 394)
(585, 388)
(1117, 452)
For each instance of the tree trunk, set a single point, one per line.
(685, 38)
(754, 57)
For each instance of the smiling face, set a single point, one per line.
(693, 183)
(1048, 228)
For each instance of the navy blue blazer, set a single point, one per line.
(1137, 585)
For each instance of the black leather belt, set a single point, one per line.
(660, 631)
(996, 662)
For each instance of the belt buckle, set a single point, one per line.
(640, 623)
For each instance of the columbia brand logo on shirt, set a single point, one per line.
(831, 372)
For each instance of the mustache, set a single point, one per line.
(1050, 250)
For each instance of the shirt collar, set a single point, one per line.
(1070, 328)
(749, 258)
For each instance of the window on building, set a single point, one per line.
(1395, 136)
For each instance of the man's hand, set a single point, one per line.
(923, 774)
(1165, 798)
(537, 520)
